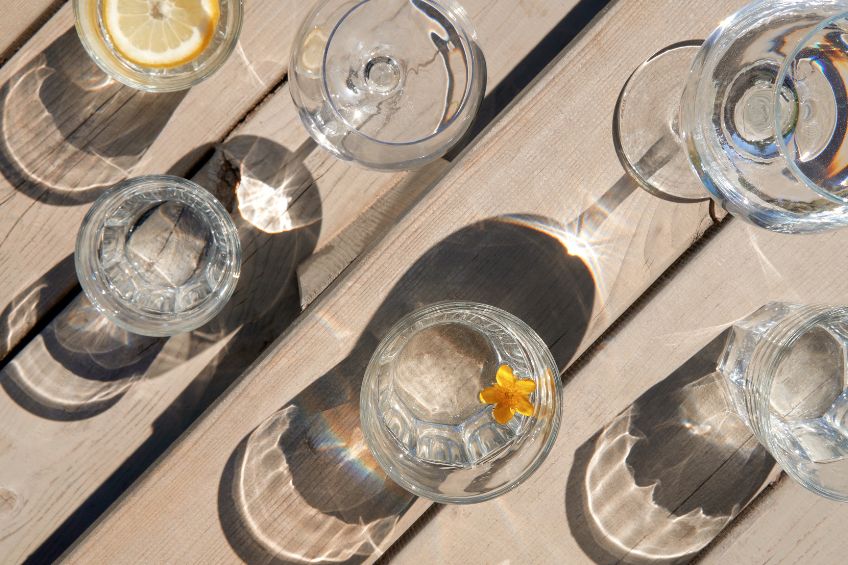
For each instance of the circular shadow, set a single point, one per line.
(659, 482)
(79, 366)
(310, 491)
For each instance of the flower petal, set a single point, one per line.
(525, 386)
(523, 406)
(491, 395)
(503, 413)
(505, 377)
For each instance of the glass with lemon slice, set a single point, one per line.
(159, 45)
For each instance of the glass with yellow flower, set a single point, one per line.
(460, 402)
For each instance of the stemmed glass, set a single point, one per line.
(390, 84)
(774, 66)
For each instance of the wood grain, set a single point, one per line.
(88, 406)
(536, 218)
(20, 19)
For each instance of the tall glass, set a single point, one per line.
(461, 402)
(758, 112)
(785, 370)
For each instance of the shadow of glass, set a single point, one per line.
(306, 473)
(68, 131)
(81, 364)
(659, 482)
(96, 360)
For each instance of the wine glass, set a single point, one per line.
(158, 255)
(760, 119)
(390, 84)
(187, 55)
(461, 402)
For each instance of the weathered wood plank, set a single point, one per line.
(536, 218)
(656, 480)
(789, 524)
(110, 402)
(20, 19)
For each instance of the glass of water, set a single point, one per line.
(461, 402)
(159, 45)
(758, 111)
(158, 255)
(390, 84)
(785, 369)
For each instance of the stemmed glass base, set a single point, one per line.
(646, 128)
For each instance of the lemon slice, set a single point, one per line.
(160, 33)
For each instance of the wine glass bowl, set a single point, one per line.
(739, 111)
(818, 70)
(390, 84)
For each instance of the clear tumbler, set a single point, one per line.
(158, 255)
(460, 402)
(784, 367)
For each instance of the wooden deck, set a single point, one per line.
(240, 441)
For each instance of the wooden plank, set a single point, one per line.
(110, 402)
(536, 218)
(22, 18)
(656, 480)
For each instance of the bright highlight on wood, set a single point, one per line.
(160, 33)
(509, 395)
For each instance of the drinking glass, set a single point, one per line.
(461, 402)
(99, 44)
(785, 371)
(761, 118)
(158, 255)
(390, 84)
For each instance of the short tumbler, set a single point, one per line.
(158, 255)
(460, 402)
(785, 370)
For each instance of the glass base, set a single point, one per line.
(646, 126)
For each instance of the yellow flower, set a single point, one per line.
(509, 395)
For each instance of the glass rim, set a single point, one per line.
(175, 83)
(370, 416)
(88, 269)
(781, 78)
(455, 11)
